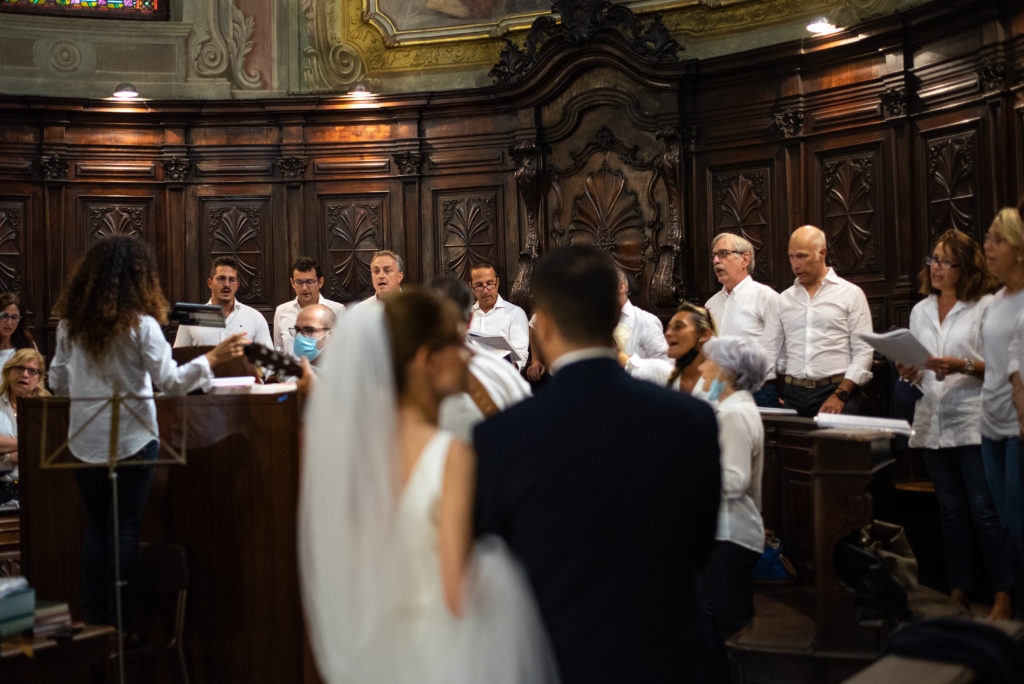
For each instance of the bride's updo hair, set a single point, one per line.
(418, 318)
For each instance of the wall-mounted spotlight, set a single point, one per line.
(822, 27)
(360, 90)
(125, 91)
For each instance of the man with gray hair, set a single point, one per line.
(744, 307)
(639, 332)
(386, 275)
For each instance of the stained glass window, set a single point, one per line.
(112, 9)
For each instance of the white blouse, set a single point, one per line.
(999, 324)
(949, 413)
(741, 441)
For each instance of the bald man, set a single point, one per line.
(313, 328)
(825, 363)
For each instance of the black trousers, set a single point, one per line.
(808, 400)
(726, 589)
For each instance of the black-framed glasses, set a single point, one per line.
(723, 254)
(10, 317)
(939, 263)
(18, 370)
(308, 331)
(309, 282)
(489, 285)
(231, 280)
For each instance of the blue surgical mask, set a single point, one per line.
(716, 389)
(305, 347)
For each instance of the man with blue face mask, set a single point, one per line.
(312, 330)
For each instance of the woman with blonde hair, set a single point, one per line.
(22, 376)
(687, 331)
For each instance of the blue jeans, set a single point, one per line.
(966, 509)
(98, 591)
(1002, 469)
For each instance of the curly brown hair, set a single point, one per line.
(975, 281)
(115, 283)
(21, 337)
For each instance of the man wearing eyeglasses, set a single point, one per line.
(825, 363)
(223, 284)
(744, 307)
(312, 329)
(306, 281)
(493, 316)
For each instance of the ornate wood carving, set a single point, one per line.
(849, 209)
(743, 206)
(176, 168)
(582, 21)
(292, 168)
(331, 66)
(527, 158)
(354, 232)
(607, 215)
(408, 163)
(470, 231)
(992, 75)
(236, 229)
(116, 220)
(789, 122)
(54, 166)
(666, 284)
(225, 43)
(11, 229)
(895, 101)
(951, 185)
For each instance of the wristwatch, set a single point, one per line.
(968, 366)
(843, 395)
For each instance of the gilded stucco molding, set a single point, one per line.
(224, 45)
(330, 64)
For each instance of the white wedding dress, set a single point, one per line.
(368, 550)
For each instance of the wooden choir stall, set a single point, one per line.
(232, 506)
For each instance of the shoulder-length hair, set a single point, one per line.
(21, 337)
(113, 286)
(20, 358)
(975, 281)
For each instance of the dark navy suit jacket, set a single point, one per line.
(606, 488)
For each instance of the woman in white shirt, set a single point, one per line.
(1004, 255)
(736, 368)
(22, 376)
(687, 331)
(14, 334)
(947, 417)
(109, 342)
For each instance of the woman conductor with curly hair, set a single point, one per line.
(109, 342)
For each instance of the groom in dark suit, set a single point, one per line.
(605, 487)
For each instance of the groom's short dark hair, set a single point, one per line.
(578, 288)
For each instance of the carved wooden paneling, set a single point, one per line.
(742, 205)
(952, 184)
(468, 227)
(100, 217)
(851, 207)
(238, 227)
(12, 229)
(353, 229)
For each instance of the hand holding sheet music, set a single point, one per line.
(899, 346)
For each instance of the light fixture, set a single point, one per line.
(359, 90)
(125, 91)
(822, 27)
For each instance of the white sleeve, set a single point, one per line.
(652, 338)
(861, 353)
(278, 335)
(771, 342)
(654, 370)
(1016, 348)
(158, 362)
(736, 446)
(519, 335)
(262, 333)
(58, 375)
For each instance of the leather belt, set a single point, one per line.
(810, 382)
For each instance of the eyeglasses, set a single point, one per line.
(308, 331)
(18, 370)
(304, 283)
(722, 254)
(938, 263)
(226, 279)
(10, 317)
(489, 285)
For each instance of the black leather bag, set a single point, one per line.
(877, 594)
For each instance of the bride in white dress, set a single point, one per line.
(393, 588)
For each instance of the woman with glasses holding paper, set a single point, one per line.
(947, 418)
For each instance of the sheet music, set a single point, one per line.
(496, 342)
(842, 420)
(899, 346)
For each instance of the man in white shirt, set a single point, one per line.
(825, 363)
(494, 383)
(639, 332)
(386, 274)
(492, 315)
(238, 318)
(744, 307)
(306, 281)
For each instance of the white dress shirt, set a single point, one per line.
(818, 333)
(241, 319)
(507, 320)
(459, 414)
(284, 318)
(652, 370)
(1000, 323)
(646, 335)
(750, 311)
(949, 413)
(131, 364)
(741, 442)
